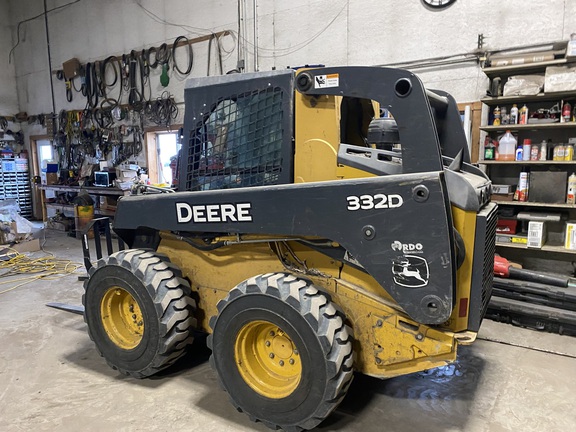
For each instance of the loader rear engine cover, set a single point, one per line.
(310, 237)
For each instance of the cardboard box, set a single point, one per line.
(503, 197)
(570, 237)
(502, 189)
(511, 238)
(26, 246)
(9, 233)
(51, 178)
(536, 234)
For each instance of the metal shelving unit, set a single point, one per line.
(15, 183)
(546, 248)
(541, 97)
(536, 204)
(533, 126)
(538, 162)
(505, 171)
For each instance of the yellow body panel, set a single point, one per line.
(387, 342)
(465, 224)
(317, 139)
(213, 273)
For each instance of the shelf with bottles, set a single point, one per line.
(556, 112)
(534, 204)
(528, 145)
(534, 126)
(528, 162)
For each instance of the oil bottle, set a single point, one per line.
(571, 195)
(496, 116)
(514, 114)
(523, 115)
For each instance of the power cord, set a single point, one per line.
(46, 268)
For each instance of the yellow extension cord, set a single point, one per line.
(47, 268)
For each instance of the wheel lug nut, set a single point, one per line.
(271, 355)
(134, 316)
(140, 323)
(291, 361)
(267, 343)
(281, 362)
(296, 351)
(272, 333)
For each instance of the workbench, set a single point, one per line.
(68, 209)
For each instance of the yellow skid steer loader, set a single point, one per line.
(327, 221)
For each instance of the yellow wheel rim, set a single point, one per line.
(122, 318)
(267, 359)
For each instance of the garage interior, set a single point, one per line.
(100, 100)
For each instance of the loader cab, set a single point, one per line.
(324, 125)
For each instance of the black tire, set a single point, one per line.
(320, 340)
(159, 300)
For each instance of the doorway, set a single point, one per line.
(41, 150)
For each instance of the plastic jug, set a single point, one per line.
(507, 147)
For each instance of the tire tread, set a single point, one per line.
(326, 320)
(172, 299)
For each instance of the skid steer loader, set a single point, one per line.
(310, 238)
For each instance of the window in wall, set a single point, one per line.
(162, 156)
(167, 150)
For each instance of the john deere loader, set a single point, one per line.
(327, 221)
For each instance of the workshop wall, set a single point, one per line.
(92, 31)
(331, 32)
(8, 95)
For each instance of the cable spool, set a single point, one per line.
(190, 55)
(151, 50)
(163, 110)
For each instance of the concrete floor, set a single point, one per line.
(52, 379)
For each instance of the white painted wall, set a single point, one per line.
(8, 98)
(289, 33)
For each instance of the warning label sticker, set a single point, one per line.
(325, 81)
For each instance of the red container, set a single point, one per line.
(507, 226)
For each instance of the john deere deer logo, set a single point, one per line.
(410, 271)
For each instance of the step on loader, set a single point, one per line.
(327, 222)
